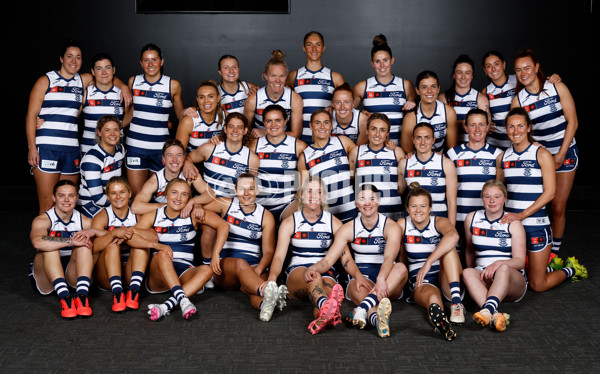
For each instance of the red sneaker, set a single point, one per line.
(83, 306)
(132, 301)
(329, 313)
(118, 302)
(67, 308)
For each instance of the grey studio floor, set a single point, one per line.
(549, 332)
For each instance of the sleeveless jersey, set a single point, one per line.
(430, 175)
(151, 106)
(115, 222)
(351, 131)
(546, 113)
(387, 99)
(98, 103)
(380, 168)
(62, 229)
(500, 98)
(491, 239)
(245, 233)
(462, 104)
(263, 100)
(59, 111)
(473, 169)
(316, 89)
(202, 131)
(419, 244)
(234, 102)
(178, 233)
(331, 164)
(277, 172)
(524, 182)
(439, 121)
(368, 245)
(161, 184)
(223, 167)
(310, 241)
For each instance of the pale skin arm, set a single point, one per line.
(144, 224)
(176, 98)
(406, 137)
(568, 106)
(411, 95)
(340, 244)
(519, 251)
(284, 235)
(469, 250)
(484, 104)
(291, 78)
(36, 98)
(362, 129)
(448, 243)
(215, 221)
(452, 127)
(184, 130)
(451, 188)
(352, 160)
(41, 241)
(400, 155)
(393, 237)
(141, 202)
(199, 154)
(268, 243)
(295, 121)
(249, 107)
(359, 91)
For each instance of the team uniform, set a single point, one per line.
(316, 89)
(263, 100)
(161, 184)
(234, 102)
(368, 247)
(57, 139)
(276, 173)
(439, 122)
(202, 131)
(179, 234)
(549, 123)
(223, 167)
(330, 163)
(500, 98)
(115, 221)
(97, 167)
(430, 175)
(351, 131)
(148, 130)
(387, 99)
(380, 168)
(418, 245)
(462, 104)
(98, 103)
(524, 183)
(245, 233)
(311, 241)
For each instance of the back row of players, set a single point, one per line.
(370, 146)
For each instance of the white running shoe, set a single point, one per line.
(282, 293)
(157, 311)
(457, 314)
(187, 308)
(208, 285)
(358, 316)
(270, 298)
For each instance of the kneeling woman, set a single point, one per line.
(242, 262)
(310, 232)
(495, 257)
(374, 276)
(172, 266)
(429, 245)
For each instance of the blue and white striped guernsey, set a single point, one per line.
(161, 184)
(380, 168)
(439, 121)
(546, 113)
(316, 89)
(234, 102)
(500, 98)
(114, 221)
(351, 131)
(263, 100)
(419, 244)
(202, 132)
(473, 169)
(178, 233)
(430, 175)
(97, 167)
(60, 108)
(462, 104)
(276, 173)
(152, 103)
(330, 163)
(223, 167)
(98, 103)
(369, 245)
(310, 241)
(387, 99)
(62, 229)
(524, 183)
(245, 233)
(491, 239)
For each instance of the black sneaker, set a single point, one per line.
(439, 321)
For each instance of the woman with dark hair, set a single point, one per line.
(232, 90)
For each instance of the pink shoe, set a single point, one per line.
(329, 313)
(337, 293)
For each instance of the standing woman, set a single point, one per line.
(232, 90)
(192, 132)
(461, 96)
(496, 257)
(377, 165)
(274, 92)
(554, 122)
(385, 92)
(429, 109)
(528, 171)
(154, 94)
(102, 162)
(313, 82)
(346, 119)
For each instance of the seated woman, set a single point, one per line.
(495, 257)
(374, 276)
(429, 250)
(171, 267)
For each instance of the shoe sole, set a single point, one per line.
(438, 320)
(501, 323)
(282, 293)
(330, 314)
(479, 318)
(269, 303)
(384, 309)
